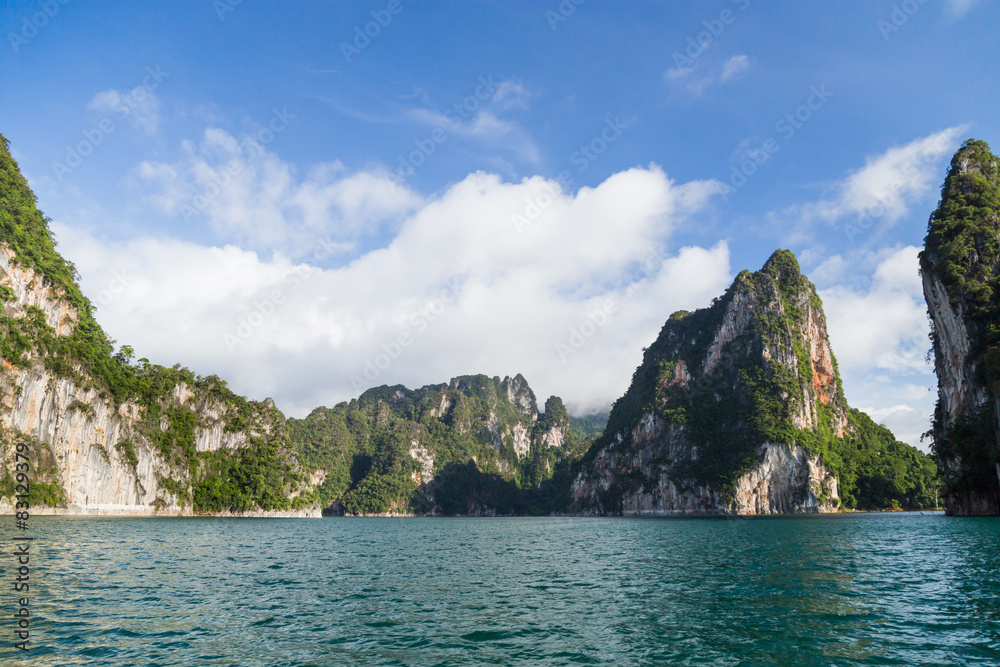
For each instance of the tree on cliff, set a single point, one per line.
(960, 264)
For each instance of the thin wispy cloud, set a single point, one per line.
(734, 66)
(880, 193)
(311, 70)
(140, 106)
(687, 77)
(959, 8)
(486, 122)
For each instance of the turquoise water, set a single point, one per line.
(842, 590)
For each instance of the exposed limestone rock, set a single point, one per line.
(84, 431)
(30, 290)
(519, 394)
(764, 341)
(960, 268)
(425, 458)
(956, 389)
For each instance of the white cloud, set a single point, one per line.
(879, 335)
(466, 289)
(886, 326)
(830, 271)
(881, 192)
(251, 197)
(485, 126)
(907, 422)
(734, 66)
(481, 117)
(140, 106)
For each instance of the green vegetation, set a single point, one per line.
(479, 444)
(253, 477)
(962, 249)
(589, 427)
(750, 397)
(369, 449)
(262, 474)
(127, 450)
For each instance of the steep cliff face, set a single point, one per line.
(109, 437)
(474, 446)
(99, 456)
(736, 409)
(960, 267)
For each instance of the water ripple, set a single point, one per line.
(844, 590)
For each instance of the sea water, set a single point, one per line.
(879, 589)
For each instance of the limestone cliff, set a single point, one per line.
(108, 436)
(737, 409)
(960, 268)
(474, 446)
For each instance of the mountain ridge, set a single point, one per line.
(738, 408)
(114, 435)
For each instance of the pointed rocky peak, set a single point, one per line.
(960, 249)
(793, 287)
(520, 394)
(736, 407)
(782, 263)
(553, 428)
(556, 410)
(974, 157)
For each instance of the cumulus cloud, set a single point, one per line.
(489, 276)
(886, 325)
(878, 332)
(249, 196)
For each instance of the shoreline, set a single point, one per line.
(315, 513)
(140, 511)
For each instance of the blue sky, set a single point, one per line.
(264, 191)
